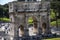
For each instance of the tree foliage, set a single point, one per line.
(52, 15)
(4, 11)
(55, 5)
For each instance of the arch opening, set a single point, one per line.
(44, 26)
(32, 25)
(21, 30)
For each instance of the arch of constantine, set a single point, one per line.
(29, 17)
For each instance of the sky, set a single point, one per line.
(5, 1)
(2, 2)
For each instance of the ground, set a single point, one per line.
(52, 39)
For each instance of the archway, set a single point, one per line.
(21, 30)
(35, 22)
(32, 21)
(44, 27)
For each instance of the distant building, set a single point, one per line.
(31, 15)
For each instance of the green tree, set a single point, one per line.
(52, 15)
(4, 11)
(55, 5)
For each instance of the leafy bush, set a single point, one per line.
(52, 14)
(54, 22)
(4, 19)
(53, 39)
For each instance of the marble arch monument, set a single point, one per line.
(20, 11)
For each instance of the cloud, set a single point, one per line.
(38, 0)
(5, 1)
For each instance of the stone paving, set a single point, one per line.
(55, 30)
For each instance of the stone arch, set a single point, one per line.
(34, 29)
(21, 27)
(21, 30)
(30, 21)
(44, 26)
(33, 20)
